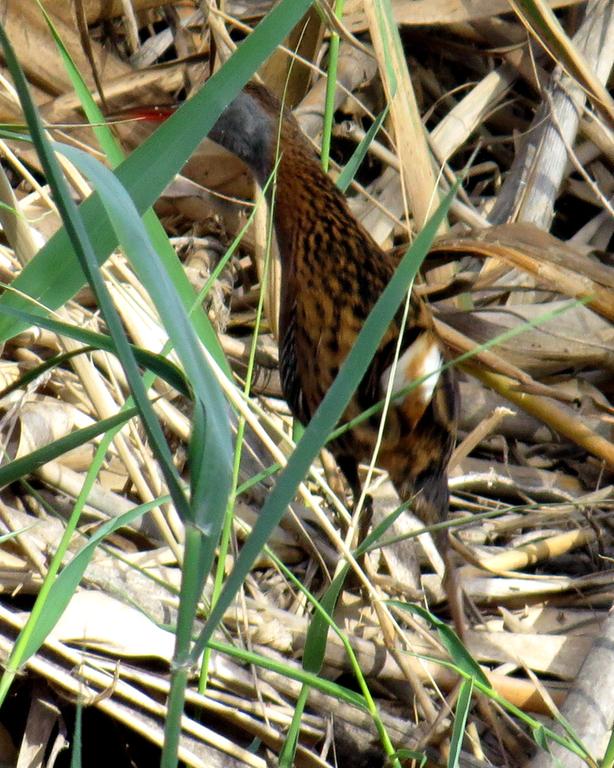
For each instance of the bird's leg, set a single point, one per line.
(430, 504)
(332, 473)
(452, 585)
(366, 518)
(349, 466)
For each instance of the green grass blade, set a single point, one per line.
(18, 468)
(212, 462)
(353, 164)
(411, 754)
(66, 583)
(458, 653)
(108, 143)
(317, 635)
(331, 85)
(290, 745)
(13, 534)
(460, 721)
(76, 754)
(371, 706)
(157, 235)
(81, 241)
(40, 370)
(159, 365)
(328, 687)
(44, 615)
(608, 758)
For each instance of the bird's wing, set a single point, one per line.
(288, 368)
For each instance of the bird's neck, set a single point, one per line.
(304, 199)
(282, 159)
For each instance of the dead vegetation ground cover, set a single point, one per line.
(526, 246)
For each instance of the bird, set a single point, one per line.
(332, 274)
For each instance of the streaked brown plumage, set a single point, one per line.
(332, 274)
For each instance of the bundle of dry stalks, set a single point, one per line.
(524, 257)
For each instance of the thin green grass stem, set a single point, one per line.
(331, 85)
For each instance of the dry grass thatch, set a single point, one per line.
(531, 478)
